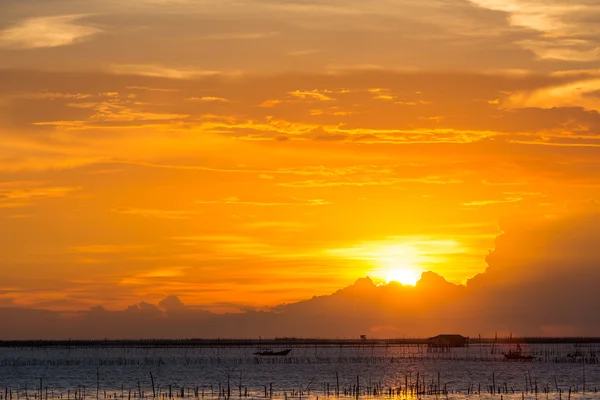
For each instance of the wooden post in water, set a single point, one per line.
(417, 387)
(583, 364)
(152, 381)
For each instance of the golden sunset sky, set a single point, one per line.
(241, 154)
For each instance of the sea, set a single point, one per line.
(363, 371)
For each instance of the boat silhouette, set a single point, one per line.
(267, 352)
(517, 355)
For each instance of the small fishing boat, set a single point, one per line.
(517, 355)
(267, 352)
(575, 354)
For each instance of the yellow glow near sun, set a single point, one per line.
(401, 258)
(406, 276)
(401, 264)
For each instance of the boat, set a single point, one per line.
(577, 353)
(517, 355)
(273, 353)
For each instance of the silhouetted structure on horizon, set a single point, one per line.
(447, 341)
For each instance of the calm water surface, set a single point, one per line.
(460, 373)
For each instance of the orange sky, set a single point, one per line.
(251, 153)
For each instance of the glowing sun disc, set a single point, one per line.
(404, 276)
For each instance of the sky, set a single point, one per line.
(242, 155)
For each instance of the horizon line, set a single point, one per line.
(226, 342)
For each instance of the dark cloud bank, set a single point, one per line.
(542, 279)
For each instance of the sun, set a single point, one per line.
(400, 263)
(405, 276)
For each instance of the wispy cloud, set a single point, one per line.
(23, 194)
(161, 71)
(302, 53)
(277, 225)
(509, 197)
(568, 28)
(210, 99)
(105, 249)
(311, 95)
(55, 96)
(228, 246)
(240, 35)
(155, 213)
(151, 89)
(267, 203)
(62, 30)
(367, 181)
(580, 93)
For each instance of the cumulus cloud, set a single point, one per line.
(541, 280)
(538, 248)
(55, 31)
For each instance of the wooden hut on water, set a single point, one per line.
(447, 341)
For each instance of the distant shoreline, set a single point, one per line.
(295, 342)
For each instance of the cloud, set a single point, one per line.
(116, 110)
(74, 124)
(579, 93)
(151, 89)
(311, 95)
(210, 99)
(164, 272)
(55, 96)
(537, 248)
(289, 226)
(367, 181)
(410, 251)
(302, 53)
(568, 29)
(266, 203)
(162, 71)
(105, 249)
(230, 247)
(23, 194)
(55, 31)
(564, 49)
(240, 35)
(271, 103)
(509, 197)
(541, 280)
(156, 213)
